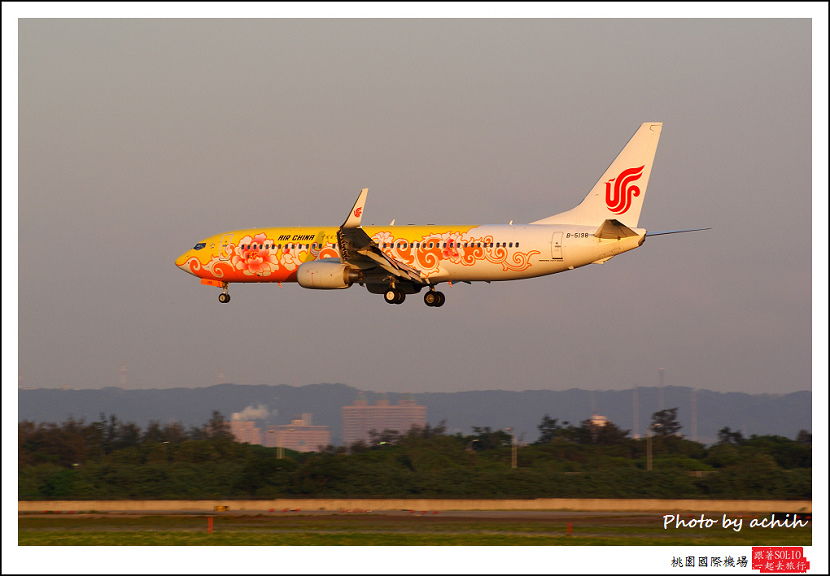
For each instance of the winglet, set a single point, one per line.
(353, 221)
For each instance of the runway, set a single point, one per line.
(539, 505)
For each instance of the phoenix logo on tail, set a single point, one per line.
(400, 260)
(619, 200)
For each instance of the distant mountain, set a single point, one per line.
(760, 414)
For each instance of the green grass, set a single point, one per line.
(386, 530)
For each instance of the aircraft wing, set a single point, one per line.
(359, 250)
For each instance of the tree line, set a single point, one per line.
(111, 459)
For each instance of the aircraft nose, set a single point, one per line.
(181, 261)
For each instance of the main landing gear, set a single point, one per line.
(224, 297)
(434, 299)
(394, 296)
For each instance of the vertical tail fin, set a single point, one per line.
(620, 192)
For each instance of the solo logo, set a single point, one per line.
(618, 197)
(358, 212)
(779, 559)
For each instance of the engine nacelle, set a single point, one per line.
(327, 274)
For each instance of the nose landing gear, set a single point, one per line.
(224, 297)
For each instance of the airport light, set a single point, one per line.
(515, 446)
(279, 446)
(648, 444)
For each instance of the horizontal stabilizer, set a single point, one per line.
(614, 230)
(675, 231)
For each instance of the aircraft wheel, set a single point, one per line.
(400, 298)
(224, 298)
(391, 296)
(430, 298)
(441, 299)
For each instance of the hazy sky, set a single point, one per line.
(137, 138)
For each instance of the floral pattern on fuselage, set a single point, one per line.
(259, 258)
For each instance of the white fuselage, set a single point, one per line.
(441, 253)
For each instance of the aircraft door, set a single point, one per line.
(556, 246)
(224, 253)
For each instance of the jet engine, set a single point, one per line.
(327, 274)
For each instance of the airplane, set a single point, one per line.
(399, 260)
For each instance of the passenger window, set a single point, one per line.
(511, 244)
(517, 244)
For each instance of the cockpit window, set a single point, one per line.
(199, 246)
